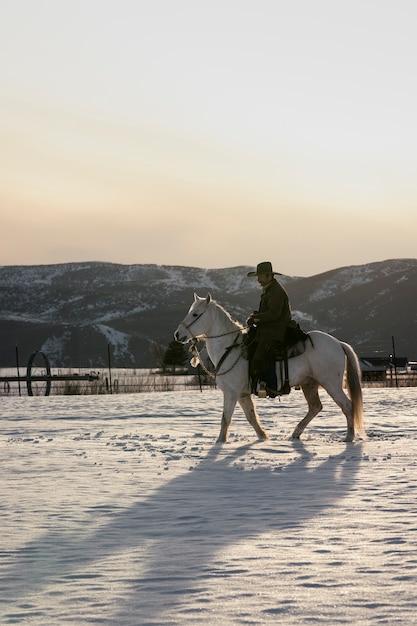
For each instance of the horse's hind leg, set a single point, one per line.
(311, 394)
(345, 404)
(246, 402)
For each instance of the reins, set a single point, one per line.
(194, 350)
(203, 336)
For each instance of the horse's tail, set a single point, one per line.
(353, 379)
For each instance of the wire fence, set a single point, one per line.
(101, 382)
(119, 381)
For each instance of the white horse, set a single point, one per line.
(323, 363)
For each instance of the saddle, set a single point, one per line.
(294, 334)
(293, 345)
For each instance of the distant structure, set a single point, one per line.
(377, 368)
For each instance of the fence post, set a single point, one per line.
(395, 361)
(109, 362)
(18, 371)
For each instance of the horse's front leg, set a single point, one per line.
(229, 403)
(246, 402)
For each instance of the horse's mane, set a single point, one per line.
(221, 310)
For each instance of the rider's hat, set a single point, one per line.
(263, 268)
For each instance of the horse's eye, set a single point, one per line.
(194, 314)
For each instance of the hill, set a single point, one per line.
(73, 311)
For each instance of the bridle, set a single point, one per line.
(194, 349)
(203, 337)
(188, 326)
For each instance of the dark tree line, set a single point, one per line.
(175, 356)
(170, 358)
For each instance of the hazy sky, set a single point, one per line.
(210, 133)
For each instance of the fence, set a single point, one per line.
(81, 381)
(390, 379)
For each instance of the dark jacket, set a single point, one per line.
(274, 312)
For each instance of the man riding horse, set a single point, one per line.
(268, 328)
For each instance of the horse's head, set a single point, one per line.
(193, 325)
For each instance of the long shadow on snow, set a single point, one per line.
(172, 537)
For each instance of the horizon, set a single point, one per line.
(201, 134)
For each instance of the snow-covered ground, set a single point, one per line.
(122, 510)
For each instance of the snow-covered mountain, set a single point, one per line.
(73, 311)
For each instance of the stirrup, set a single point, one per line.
(262, 390)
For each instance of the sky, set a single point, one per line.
(208, 133)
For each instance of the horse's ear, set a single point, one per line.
(195, 296)
(208, 299)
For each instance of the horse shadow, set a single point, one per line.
(171, 539)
